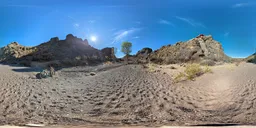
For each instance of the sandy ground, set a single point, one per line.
(128, 95)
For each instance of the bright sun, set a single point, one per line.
(93, 38)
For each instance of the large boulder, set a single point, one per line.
(195, 50)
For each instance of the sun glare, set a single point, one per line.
(93, 38)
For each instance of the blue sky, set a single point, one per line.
(145, 23)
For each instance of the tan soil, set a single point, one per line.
(127, 95)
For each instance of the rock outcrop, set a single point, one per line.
(70, 51)
(14, 51)
(199, 49)
(251, 59)
(142, 56)
(108, 53)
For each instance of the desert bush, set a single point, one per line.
(207, 69)
(193, 70)
(237, 63)
(108, 63)
(152, 67)
(179, 77)
(208, 62)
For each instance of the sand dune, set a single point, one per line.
(127, 95)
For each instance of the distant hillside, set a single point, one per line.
(69, 51)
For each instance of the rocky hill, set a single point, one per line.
(71, 51)
(202, 49)
(14, 51)
(251, 59)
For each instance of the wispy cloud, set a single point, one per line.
(123, 34)
(76, 25)
(191, 22)
(226, 34)
(238, 5)
(92, 21)
(161, 21)
(72, 18)
(136, 37)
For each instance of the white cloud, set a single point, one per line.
(123, 34)
(226, 34)
(191, 22)
(165, 22)
(136, 37)
(238, 5)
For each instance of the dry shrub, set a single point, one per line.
(151, 67)
(108, 63)
(179, 77)
(193, 70)
(207, 69)
(237, 63)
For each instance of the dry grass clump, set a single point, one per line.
(237, 63)
(191, 72)
(207, 69)
(151, 67)
(108, 63)
(231, 67)
(179, 77)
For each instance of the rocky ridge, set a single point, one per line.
(203, 49)
(70, 52)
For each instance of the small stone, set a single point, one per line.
(92, 73)
(172, 67)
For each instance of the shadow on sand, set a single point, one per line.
(22, 68)
(27, 70)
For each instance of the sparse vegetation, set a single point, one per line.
(179, 77)
(126, 49)
(237, 63)
(108, 63)
(207, 69)
(231, 67)
(151, 67)
(191, 72)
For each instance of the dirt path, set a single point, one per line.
(128, 95)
